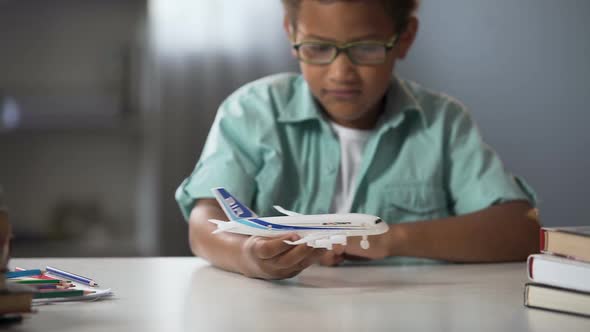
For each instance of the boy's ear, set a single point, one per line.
(407, 37)
(288, 27)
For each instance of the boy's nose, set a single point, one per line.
(342, 69)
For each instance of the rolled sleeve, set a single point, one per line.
(477, 177)
(227, 161)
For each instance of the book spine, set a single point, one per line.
(543, 239)
(526, 295)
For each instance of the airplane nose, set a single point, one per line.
(383, 227)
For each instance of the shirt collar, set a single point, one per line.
(399, 101)
(301, 106)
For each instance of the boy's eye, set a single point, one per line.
(368, 53)
(317, 48)
(368, 48)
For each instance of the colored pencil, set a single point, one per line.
(40, 276)
(53, 286)
(23, 273)
(70, 276)
(38, 281)
(45, 294)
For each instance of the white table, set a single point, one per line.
(186, 294)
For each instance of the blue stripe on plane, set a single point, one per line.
(234, 206)
(266, 224)
(249, 223)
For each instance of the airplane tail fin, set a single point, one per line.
(222, 226)
(232, 207)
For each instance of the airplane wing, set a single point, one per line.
(222, 226)
(285, 211)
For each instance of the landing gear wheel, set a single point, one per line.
(365, 243)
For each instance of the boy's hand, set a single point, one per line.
(271, 258)
(333, 257)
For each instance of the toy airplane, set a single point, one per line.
(317, 230)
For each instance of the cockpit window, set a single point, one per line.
(378, 221)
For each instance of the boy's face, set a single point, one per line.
(350, 94)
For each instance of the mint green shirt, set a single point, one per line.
(271, 144)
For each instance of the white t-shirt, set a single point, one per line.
(352, 145)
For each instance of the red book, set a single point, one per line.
(571, 242)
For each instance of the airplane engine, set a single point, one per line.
(338, 239)
(324, 243)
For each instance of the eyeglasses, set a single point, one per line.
(360, 53)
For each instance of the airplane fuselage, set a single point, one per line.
(350, 224)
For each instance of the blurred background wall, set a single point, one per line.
(105, 104)
(69, 138)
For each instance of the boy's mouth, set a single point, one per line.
(342, 93)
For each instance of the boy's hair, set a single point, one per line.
(399, 10)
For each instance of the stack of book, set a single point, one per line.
(14, 299)
(560, 275)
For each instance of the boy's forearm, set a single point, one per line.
(504, 232)
(221, 250)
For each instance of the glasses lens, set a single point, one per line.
(368, 53)
(316, 53)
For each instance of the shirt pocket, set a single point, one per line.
(417, 201)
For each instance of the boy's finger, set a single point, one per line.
(293, 257)
(270, 248)
(338, 259)
(315, 257)
(307, 261)
(338, 249)
(331, 258)
(327, 258)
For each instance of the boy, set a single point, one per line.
(346, 136)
